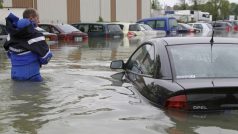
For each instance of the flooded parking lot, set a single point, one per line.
(78, 95)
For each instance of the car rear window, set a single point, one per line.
(134, 27)
(67, 28)
(113, 27)
(186, 26)
(96, 28)
(219, 24)
(199, 61)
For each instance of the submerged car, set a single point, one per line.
(188, 74)
(65, 32)
(50, 38)
(100, 30)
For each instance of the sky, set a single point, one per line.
(173, 2)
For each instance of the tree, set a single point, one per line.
(224, 9)
(183, 4)
(218, 8)
(1, 3)
(153, 6)
(156, 5)
(233, 9)
(196, 4)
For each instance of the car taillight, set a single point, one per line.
(236, 28)
(191, 30)
(53, 38)
(131, 34)
(68, 38)
(227, 28)
(177, 102)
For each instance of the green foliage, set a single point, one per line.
(100, 19)
(1, 5)
(153, 6)
(156, 5)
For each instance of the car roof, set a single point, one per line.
(198, 23)
(196, 40)
(156, 18)
(103, 23)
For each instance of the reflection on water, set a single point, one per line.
(21, 106)
(202, 123)
(78, 95)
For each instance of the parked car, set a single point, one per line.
(100, 29)
(65, 32)
(201, 26)
(220, 26)
(167, 24)
(135, 29)
(3, 34)
(206, 28)
(50, 38)
(183, 73)
(130, 29)
(234, 24)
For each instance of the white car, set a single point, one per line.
(206, 28)
(135, 29)
(130, 29)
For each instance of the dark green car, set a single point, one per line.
(104, 30)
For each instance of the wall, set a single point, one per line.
(7, 3)
(126, 10)
(89, 10)
(5, 11)
(146, 9)
(71, 11)
(51, 11)
(105, 10)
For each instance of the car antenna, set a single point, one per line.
(212, 39)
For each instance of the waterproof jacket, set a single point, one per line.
(26, 39)
(27, 50)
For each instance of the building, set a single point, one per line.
(189, 15)
(71, 11)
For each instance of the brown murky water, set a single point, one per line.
(79, 96)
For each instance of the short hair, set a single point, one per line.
(30, 12)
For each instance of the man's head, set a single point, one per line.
(32, 15)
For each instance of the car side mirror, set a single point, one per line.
(117, 64)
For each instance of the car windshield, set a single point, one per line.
(200, 61)
(67, 28)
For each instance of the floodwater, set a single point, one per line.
(78, 95)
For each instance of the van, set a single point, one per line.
(100, 29)
(167, 24)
